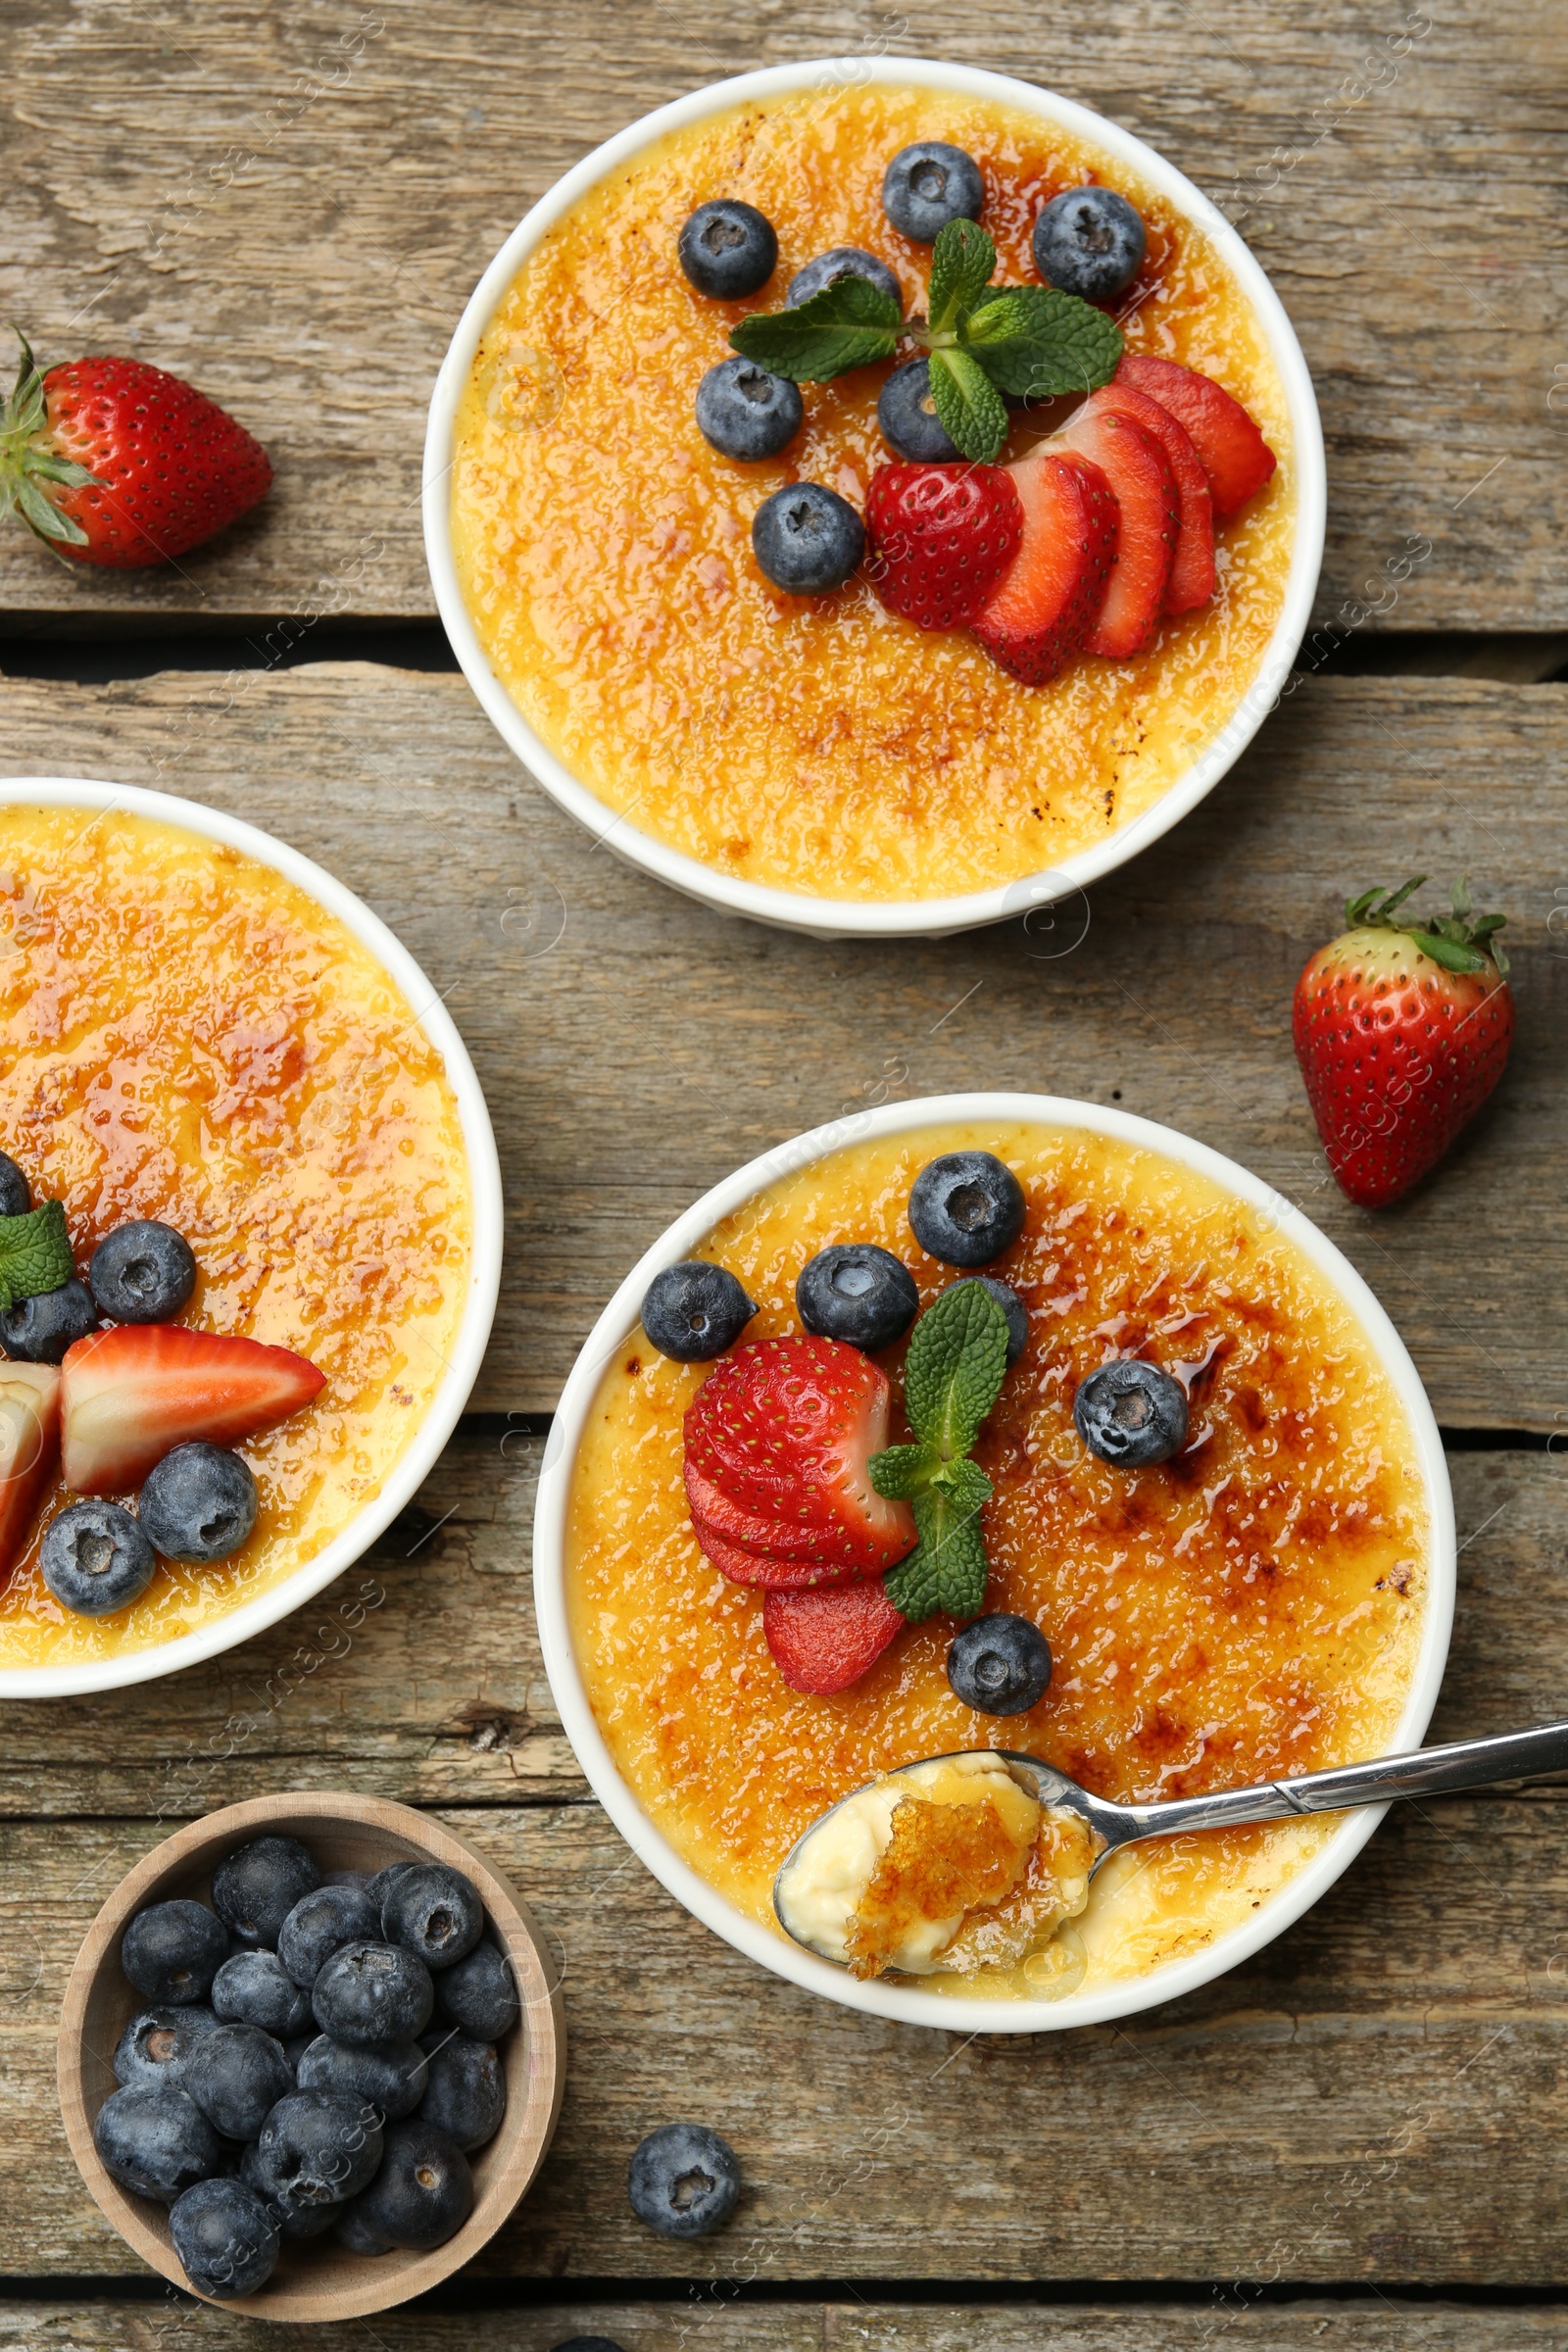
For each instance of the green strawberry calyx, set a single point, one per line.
(952, 1375)
(1461, 940)
(28, 459)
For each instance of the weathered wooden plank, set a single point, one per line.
(634, 1048)
(293, 205)
(438, 1695)
(1374, 2097)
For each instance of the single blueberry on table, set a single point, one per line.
(198, 1504)
(466, 2094)
(907, 417)
(999, 1665)
(321, 1924)
(424, 2192)
(806, 539)
(684, 2181)
(435, 1912)
(257, 1887)
(225, 2238)
(388, 2076)
(479, 1993)
(828, 269)
(372, 1992)
(929, 184)
(172, 1951)
(16, 1194)
(854, 1291)
(236, 2075)
(1090, 242)
(95, 1559)
(319, 2146)
(1012, 1306)
(155, 2141)
(153, 2049)
(966, 1208)
(743, 412)
(695, 1310)
(142, 1273)
(727, 249)
(39, 1330)
(254, 1988)
(588, 2343)
(1130, 1413)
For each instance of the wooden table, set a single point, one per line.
(1354, 2132)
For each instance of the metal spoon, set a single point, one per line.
(1428, 1772)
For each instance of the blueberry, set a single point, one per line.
(142, 1273)
(95, 1559)
(853, 1290)
(153, 2049)
(807, 539)
(908, 415)
(435, 1912)
(39, 1330)
(424, 2192)
(1012, 1306)
(466, 2095)
(588, 2343)
(1090, 242)
(929, 184)
(319, 1925)
(198, 1504)
(375, 1888)
(257, 1887)
(966, 1208)
(1130, 1413)
(727, 249)
(254, 1989)
(236, 2075)
(171, 1952)
(372, 1992)
(296, 2047)
(479, 1993)
(746, 413)
(225, 2238)
(154, 2140)
(388, 2076)
(16, 1194)
(320, 2148)
(844, 261)
(999, 1665)
(684, 2181)
(357, 2234)
(297, 2218)
(694, 1311)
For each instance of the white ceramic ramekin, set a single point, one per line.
(829, 919)
(419, 1456)
(773, 1949)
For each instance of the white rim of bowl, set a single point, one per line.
(791, 911)
(414, 1463)
(772, 1950)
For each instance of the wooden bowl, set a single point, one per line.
(317, 2278)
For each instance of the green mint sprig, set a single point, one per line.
(952, 1376)
(34, 1254)
(1030, 342)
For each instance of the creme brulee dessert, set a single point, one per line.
(202, 1060)
(1222, 1582)
(612, 558)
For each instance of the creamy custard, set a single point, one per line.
(819, 745)
(1250, 1609)
(185, 1035)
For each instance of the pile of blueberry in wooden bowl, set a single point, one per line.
(310, 2056)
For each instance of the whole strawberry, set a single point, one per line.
(116, 462)
(942, 537)
(1401, 1030)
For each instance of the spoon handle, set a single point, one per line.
(1428, 1772)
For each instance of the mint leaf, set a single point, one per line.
(962, 262)
(1037, 342)
(846, 326)
(948, 1568)
(35, 1253)
(971, 410)
(903, 1471)
(954, 1371)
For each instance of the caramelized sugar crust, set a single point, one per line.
(820, 744)
(187, 1036)
(1252, 1608)
(940, 1862)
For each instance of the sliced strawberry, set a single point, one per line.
(1231, 450)
(832, 1550)
(823, 1641)
(784, 1428)
(941, 536)
(1134, 463)
(1192, 567)
(1050, 599)
(131, 1394)
(768, 1570)
(29, 1447)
